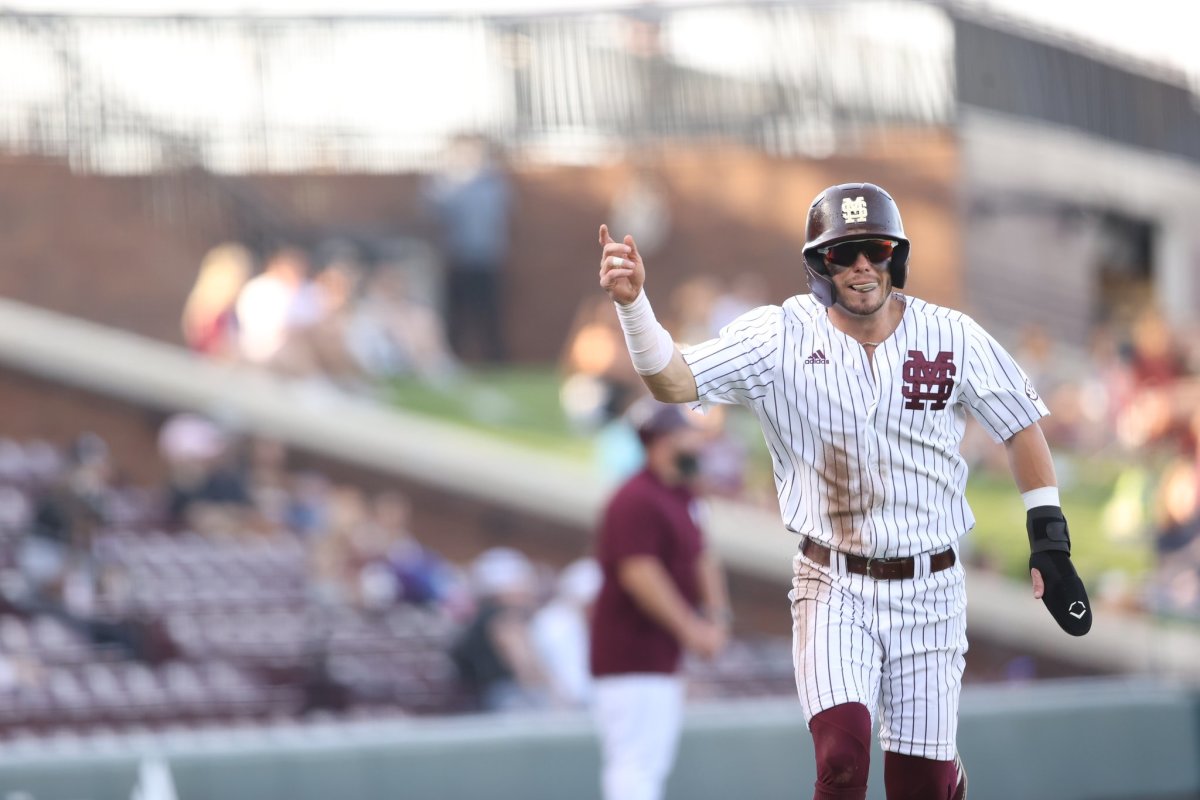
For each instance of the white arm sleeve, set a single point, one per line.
(650, 346)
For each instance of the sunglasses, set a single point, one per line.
(845, 254)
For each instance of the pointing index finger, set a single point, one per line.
(604, 237)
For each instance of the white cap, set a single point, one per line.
(190, 437)
(580, 581)
(501, 569)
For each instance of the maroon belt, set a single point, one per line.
(881, 569)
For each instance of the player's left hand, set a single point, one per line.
(1055, 581)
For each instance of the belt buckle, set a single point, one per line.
(870, 574)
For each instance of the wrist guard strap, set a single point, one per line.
(1047, 529)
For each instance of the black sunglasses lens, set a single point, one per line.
(845, 254)
(878, 252)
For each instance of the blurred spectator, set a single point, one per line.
(1178, 507)
(1174, 586)
(423, 576)
(307, 511)
(1155, 358)
(271, 306)
(63, 574)
(319, 350)
(393, 334)
(1158, 395)
(268, 483)
(353, 555)
(328, 337)
(364, 554)
(97, 605)
(209, 322)
(473, 201)
(206, 490)
(663, 592)
(560, 633)
(67, 518)
(494, 655)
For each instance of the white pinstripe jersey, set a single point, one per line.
(865, 455)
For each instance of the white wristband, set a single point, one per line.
(650, 346)
(1045, 496)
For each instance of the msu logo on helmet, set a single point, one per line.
(854, 210)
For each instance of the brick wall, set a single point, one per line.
(124, 250)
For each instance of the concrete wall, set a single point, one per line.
(1066, 741)
(1028, 262)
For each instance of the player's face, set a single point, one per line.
(862, 288)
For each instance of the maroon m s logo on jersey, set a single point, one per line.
(928, 381)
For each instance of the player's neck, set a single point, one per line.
(871, 329)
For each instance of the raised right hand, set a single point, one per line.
(622, 272)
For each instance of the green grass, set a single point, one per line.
(521, 405)
(518, 404)
(999, 535)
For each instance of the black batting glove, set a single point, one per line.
(1050, 554)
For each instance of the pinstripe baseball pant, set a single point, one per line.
(896, 646)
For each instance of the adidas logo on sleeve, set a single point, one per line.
(818, 357)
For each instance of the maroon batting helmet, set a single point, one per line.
(844, 213)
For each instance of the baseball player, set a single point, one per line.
(862, 393)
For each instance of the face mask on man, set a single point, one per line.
(688, 464)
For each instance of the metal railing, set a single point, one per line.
(239, 94)
(385, 93)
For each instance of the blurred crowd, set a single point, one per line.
(342, 321)
(522, 627)
(1153, 381)
(333, 314)
(1127, 413)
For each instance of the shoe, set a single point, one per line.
(960, 791)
